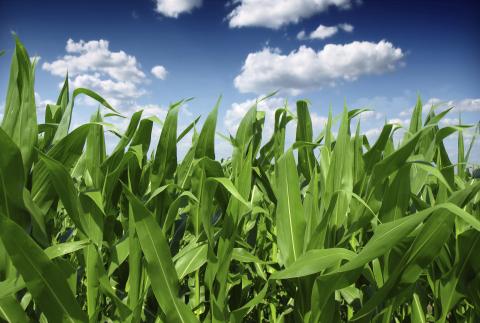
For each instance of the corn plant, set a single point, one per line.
(329, 229)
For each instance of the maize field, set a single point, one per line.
(327, 229)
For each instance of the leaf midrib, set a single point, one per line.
(162, 269)
(45, 281)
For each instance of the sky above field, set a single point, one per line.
(146, 54)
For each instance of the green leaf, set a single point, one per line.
(11, 310)
(306, 159)
(160, 267)
(165, 160)
(191, 260)
(290, 218)
(467, 245)
(61, 249)
(206, 140)
(12, 177)
(44, 280)
(20, 115)
(228, 185)
(64, 124)
(314, 261)
(65, 188)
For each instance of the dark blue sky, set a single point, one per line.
(439, 42)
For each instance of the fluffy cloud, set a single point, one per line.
(115, 75)
(346, 27)
(306, 68)
(399, 121)
(465, 105)
(323, 32)
(152, 110)
(173, 8)
(41, 106)
(387, 104)
(372, 134)
(237, 111)
(35, 59)
(277, 13)
(159, 72)
(118, 93)
(95, 56)
(371, 116)
(42, 103)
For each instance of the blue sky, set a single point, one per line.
(377, 54)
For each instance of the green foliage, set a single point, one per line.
(331, 229)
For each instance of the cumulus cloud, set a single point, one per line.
(276, 13)
(151, 110)
(118, 93)
(173, 8)
(95, 56)
(305, 68)
(346, 27)
(372, 134)
(159, 72)
(371, 116)
(464, 105)
(115, 75)
(42, 103)
(399, 121)
(35, 59)
(323, 32)
(237, 111)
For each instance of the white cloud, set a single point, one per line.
(372, 134)
(35, 59)
(371, 115)
(173, 8)
(346, 27)
(42, 103)
(399, 121)
(159, 72)
(152, 110)
(277, 13)
(464, 105)
(306, 68)
(95, 56)
(318, 121)
(118, 93)
(115, 75)
(323, 32)
(237, 111)
(302, 35)
(450, 121)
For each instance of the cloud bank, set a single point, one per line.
(174, 8)
(277, 13)
(306, 68)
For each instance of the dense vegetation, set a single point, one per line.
(330, 229)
